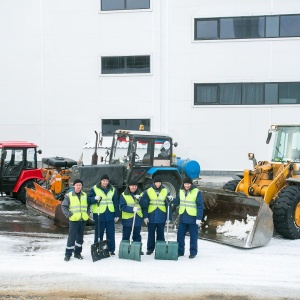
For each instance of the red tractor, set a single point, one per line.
(18, 168)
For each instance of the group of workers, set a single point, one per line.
(151, 207)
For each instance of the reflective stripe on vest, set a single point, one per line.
(157, 201)
(105, 202)
(188, 202)
(130, 202)
(78, 207)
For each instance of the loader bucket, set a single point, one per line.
(166, 250)
(130, 251)
(227, 212)
(43, 201)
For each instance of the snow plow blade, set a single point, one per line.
(225, 219)
(44, 202)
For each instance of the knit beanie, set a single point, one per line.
(77, 181)
(157, 179)
(132, 182)
(188, 180)
(104, 176)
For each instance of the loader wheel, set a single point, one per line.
(231, 185)
(21, 195)
(286, 212)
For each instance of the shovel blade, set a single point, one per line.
(222, 206)
(130, 251)
(99, 250)
(166, 251)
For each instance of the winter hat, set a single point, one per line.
(132, 182)
(188, 180)
(77, 181)
(157, 179)
(104, 176)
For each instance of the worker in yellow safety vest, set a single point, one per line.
(190, 204)
(75, 208)
(103, 199)
(157, 199)
(130, 202)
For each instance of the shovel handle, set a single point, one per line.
(133, 221)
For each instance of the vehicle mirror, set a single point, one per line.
(39, 152)
(269, 137)
(175, 144)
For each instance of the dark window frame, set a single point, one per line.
(218, 19)
(115, 124)
(124, 63)
(290, 88)
(125, 7)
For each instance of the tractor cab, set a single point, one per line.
(18, 164)
(138, 151)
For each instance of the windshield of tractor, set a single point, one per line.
(287, 144)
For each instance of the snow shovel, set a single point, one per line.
(99, 250)
(129, 250)
(166, 250)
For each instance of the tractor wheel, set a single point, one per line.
(231, 185)
(286, 212)
(170, 183)
(21, 194)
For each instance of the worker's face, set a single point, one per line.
(157, 184)
(187, 186)
(104, 183)
(132, 188)
(77, 187)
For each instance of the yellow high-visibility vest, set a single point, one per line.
(157, 201)
(105, 202)
(130, 202)
(78, 207)
(188, 202)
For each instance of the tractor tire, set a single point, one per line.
(231, 185)
(170, 183)
(21, 194)
(286, 213)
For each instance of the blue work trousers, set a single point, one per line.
(136, 236)
(75, 238)
(153, 228)
(182, 230)
(109, 226)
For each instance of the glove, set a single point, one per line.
(135, 209)
(116, 219)
(137, 197)
(98, 198)
(199, 223)
(146, 221)
(170, 198)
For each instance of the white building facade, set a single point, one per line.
(213, 74)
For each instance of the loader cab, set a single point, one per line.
(286, 143)
(138, 151)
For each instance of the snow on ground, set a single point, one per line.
(34, 265)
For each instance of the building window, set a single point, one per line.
(247, 93)
(124, 4)
(109, 126)
(247, 27)
(125, 64)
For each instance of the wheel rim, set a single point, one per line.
(170, 188)
(297, 214)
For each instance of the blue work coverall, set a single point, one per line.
(106, 218)
(188, 223)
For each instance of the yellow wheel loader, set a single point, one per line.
(269, 193)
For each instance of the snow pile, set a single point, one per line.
(238, 229)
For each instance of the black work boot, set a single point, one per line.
(67, 258)
(78, 255)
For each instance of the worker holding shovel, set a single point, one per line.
(105, 196)
(130, 205)
(157, 199)
(190, 216)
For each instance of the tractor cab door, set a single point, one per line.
(11, 168)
